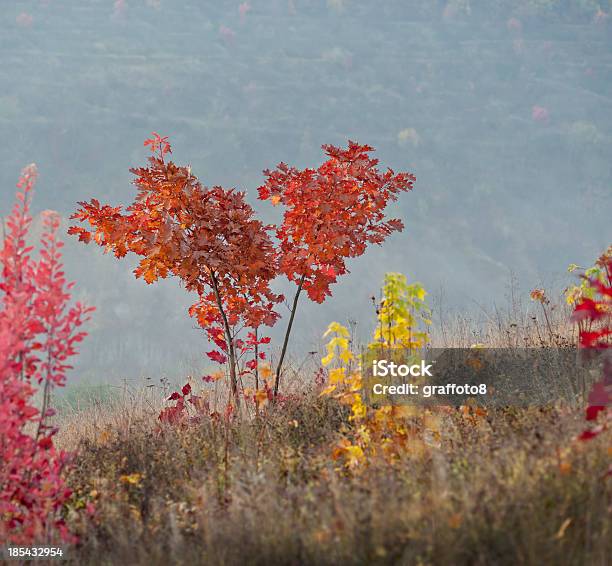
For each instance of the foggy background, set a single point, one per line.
(501, 108)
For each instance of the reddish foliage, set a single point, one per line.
(178, 414)
(332, 213)
(207, 237)
(24, 20)
(190, 409)
(598, 309)
(243, 9)
(593, 410)
(217, 357)
(38, 334)
(119, 9)
(590, 433)
(514, 25)
(227, 34)
(588, 309)
(539, 114)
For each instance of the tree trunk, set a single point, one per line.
(279, 367)
(229, 340)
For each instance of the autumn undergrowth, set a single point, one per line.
(316, 477)
(514, 487)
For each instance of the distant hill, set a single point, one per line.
(503, 110)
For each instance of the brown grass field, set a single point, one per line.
(511, 487)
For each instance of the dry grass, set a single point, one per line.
(509, 488)
(512, 487)
(518, 324)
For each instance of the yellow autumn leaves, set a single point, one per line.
(338, 346)
(575, 293)
(388, 431)
(402, 315)
(344, 382)
(131, 479)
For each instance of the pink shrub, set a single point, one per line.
(539, 114)
(514, 25)
(38, 335)
(24, 20)
(243, 10)
(119, 9)
(227, 34)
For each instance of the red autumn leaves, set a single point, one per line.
(39, 333)
(331, 213)
(207, 237)
(179, 414)
(210, 239)
(597, 312)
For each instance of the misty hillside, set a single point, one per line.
(501, 108)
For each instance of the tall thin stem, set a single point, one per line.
(279, 367)
(228, 338)
(257, 359)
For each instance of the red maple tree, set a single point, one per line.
(330, 214)
(210, 239)
(207, 237)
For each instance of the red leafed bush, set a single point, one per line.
(178, 413)
(598, 310)
(189, 409)
(39, 332)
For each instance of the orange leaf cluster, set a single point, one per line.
(207, 237)
(210, 239)
(331, 213)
